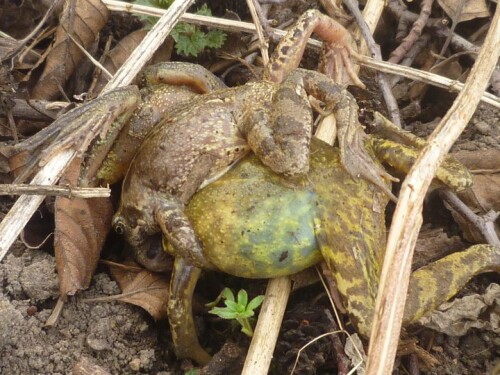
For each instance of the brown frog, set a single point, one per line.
(200, 141)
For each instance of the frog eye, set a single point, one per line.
(119, 227)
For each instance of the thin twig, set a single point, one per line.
(407, 218)
(427, 77)
(484, 224)
(257, 16)
(65, 191)
(390, 100)
(415, 32)
(238, 26)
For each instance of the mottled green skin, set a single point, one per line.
(256, 224)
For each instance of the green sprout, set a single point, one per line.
(240, 310)
(190, 40)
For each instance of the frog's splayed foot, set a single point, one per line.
(355, 158)
(73, 130)
(359, 163)
(336, 55)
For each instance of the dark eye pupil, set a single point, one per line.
(119, 228)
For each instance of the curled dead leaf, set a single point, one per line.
(143, 288)
(485, 167)
(80, 22)
(465, 10)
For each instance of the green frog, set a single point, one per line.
(255, 223)
(198, 142)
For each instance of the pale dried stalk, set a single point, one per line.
(25, 206)
(408, 218)
(371, 14)
(263, 44)
(423, 76)
(64, 191)
(268, 326)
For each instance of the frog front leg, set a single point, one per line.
(280, 135)
(180, 312)
(179, 232)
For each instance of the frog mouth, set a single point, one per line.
(151, 255)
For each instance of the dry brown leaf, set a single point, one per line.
(485, 167)
(471, 9)
(81, 229)
(82, 20)
(433, 244)
(145, 289)
(120, 53)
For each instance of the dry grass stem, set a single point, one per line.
(65, 191)
(268, 326)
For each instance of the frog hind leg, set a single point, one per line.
(450, 173)
(356, 282)
(437, 282)
(288, 53)
(76, 128)
(180, 312)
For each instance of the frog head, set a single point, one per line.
(129, 222)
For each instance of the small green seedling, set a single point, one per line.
(190, 40)
(240, 310)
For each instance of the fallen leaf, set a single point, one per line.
(82, 20)
(476, 311)
(143, 288)
(471, 9)
(81, 229)
(485, 168)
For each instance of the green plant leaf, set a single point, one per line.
(256, 302)
(227, 294)
(234, 306)
(224, 313)
(215, 38)
(243, 297)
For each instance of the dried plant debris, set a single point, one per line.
(475, 311)
(143, 288)
(81, 229)
(465, 10)
(80, 23)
